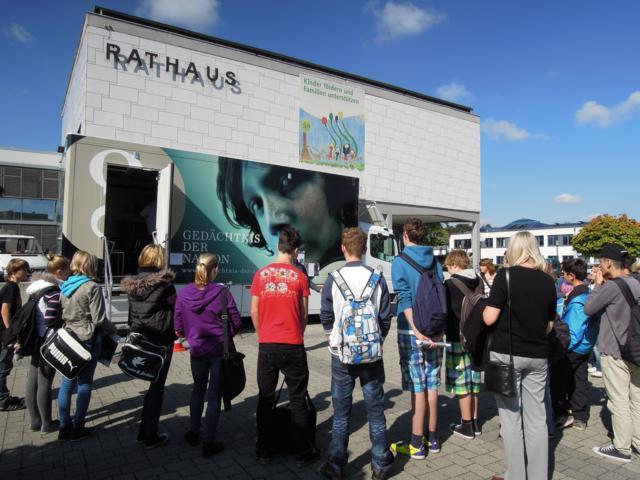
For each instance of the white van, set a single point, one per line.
(24, 247)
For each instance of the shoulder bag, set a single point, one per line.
(141, 358)
(500, 377)
(234, 378)
(65, 353)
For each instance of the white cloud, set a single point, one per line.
(453, 91)
(567, 198)
(403, 19)
(196, 14)
(602, 116)
(18, 33)
(497, 129)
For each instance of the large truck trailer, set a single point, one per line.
(121, 196)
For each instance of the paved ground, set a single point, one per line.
(113, 453)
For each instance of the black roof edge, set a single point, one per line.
(107, 12)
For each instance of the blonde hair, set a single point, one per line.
(57, 262)
(152, 256)
(84, 263)
(523, 247)
(458, 258)
(206, 263)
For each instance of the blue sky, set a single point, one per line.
(556, 84)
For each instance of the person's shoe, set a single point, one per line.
(612, 453)
(596, 374)
(434, 445)
(35, 428)
(192, 438)
(306, 458)
(401, 448)
(579, 425)
(592, 369)
(81, 433)
(327, 472)
(64, 434)
(564, 421)
(52, 427)
(477, 428)
(209, 449)
(379, 474)
(156, 441)
(463, 430)
(12, 404)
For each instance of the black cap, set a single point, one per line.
(613, 251)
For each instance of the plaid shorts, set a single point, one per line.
(461, 379)
(420, 367)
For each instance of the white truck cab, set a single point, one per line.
(24, 247)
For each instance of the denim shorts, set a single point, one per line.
(420, 367)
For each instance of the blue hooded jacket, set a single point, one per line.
(73, 283)
(406, 278)
(582, 327)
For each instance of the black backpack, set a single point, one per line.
(469, 302)
(24, 325)
(430, 304)
(630, 351)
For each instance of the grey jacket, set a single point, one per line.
(616, 314)
(84, 312)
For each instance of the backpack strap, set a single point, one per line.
(342, 285)
(626, 291)
(413, 263)
(461, 286)
(372, 283)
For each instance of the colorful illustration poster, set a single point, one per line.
(236, 208)
(331, 124)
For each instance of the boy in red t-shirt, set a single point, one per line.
(279, 305)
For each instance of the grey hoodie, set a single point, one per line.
(84, 312)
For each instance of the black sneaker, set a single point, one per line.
(477, 429)
(306, 458)
(209, 449)
(192, 438)
(327, 472)
(379, 474)
(81, 433)
(64, 434)
(159, 439)
(463, 429)
(612, 453)
(564, 421)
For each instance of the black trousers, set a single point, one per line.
(570, 386)
(152, 406)
(291, 360)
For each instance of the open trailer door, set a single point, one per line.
(163, 206)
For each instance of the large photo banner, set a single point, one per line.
(236, 208)
(331, 124)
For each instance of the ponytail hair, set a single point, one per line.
(206, 263)
(57, 262)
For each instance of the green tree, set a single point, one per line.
(608, 229)
(435, 234)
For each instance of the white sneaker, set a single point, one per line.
(592, 369)
(596, 374)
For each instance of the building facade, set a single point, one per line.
(554, 240)
(143, 82)
(29, 195)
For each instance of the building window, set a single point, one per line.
(560, 240)
(10, 209)
(540, 239)
(464, 243)
(29, 183)
(488, 242)
(27, 209)
(502, 242)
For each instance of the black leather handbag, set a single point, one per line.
(500, 377)
(234, 377)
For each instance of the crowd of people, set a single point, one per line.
(546, 330)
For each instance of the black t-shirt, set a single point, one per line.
(10, 293)
(533, 305)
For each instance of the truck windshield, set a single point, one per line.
(382, 247)
(20, 246)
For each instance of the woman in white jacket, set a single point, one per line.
(40, 374)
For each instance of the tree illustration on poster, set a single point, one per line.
(331, 124)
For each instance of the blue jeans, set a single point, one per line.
(83, 382)
(206, 370)
(343, 379)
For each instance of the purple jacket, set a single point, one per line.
(197, 317)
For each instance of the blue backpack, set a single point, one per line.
(430, 303)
